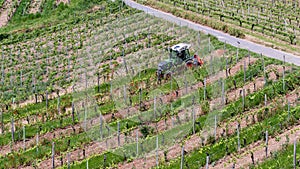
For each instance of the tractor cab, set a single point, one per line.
(181, 51)
(178, 54)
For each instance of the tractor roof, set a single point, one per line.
(180, 47)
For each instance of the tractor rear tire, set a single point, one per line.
(189, 64)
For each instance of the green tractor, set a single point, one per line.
(179, 54)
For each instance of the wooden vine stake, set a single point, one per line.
(264, 69)
(245, 71)
(193, 111)
(21, 80)
(53, 154)
(238, 136)
(204, 91)
(171, 82)
(267, 143)
(295, 159)
(140, 97)
(2, 125)
(46, 101)
(237, 55)
(226, 67)
(186, 85)
(154, 107)
(85, 119)
(37, 142)
(137, 143)
(243, 99)
(118, 133)
(98, 82)
(68, 160)
(24, 138)
(266, 100)
(223, 94)
(215, 131)
(283, 74)
(101, 126)
(249, 57)
(12, 130)
(209, 44)
(87, 164)
(156, 151)
(207, 161)
(73, 113)
(125, 95)
(111, 91)
(198, 36)
(2, 78)
(289, 110)
(182, 157)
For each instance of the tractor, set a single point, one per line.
(178, 54)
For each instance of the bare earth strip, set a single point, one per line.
(35, 6)
(62, 1)
(6, 11)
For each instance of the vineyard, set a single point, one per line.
(273, 23)
(83, 92)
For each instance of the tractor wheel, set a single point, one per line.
(168, 76)
(189, 64)
(159, 77)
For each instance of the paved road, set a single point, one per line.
(257, 48)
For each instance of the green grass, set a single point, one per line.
(54, 15)
(281, 159)
(21, 11)
(251, 133)
(1, 2)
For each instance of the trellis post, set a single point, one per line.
(295, 159)
(266, 143)
(53, 154)
(238, 136)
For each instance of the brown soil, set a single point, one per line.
(7, 10)
(62, 1)
(35, 6)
